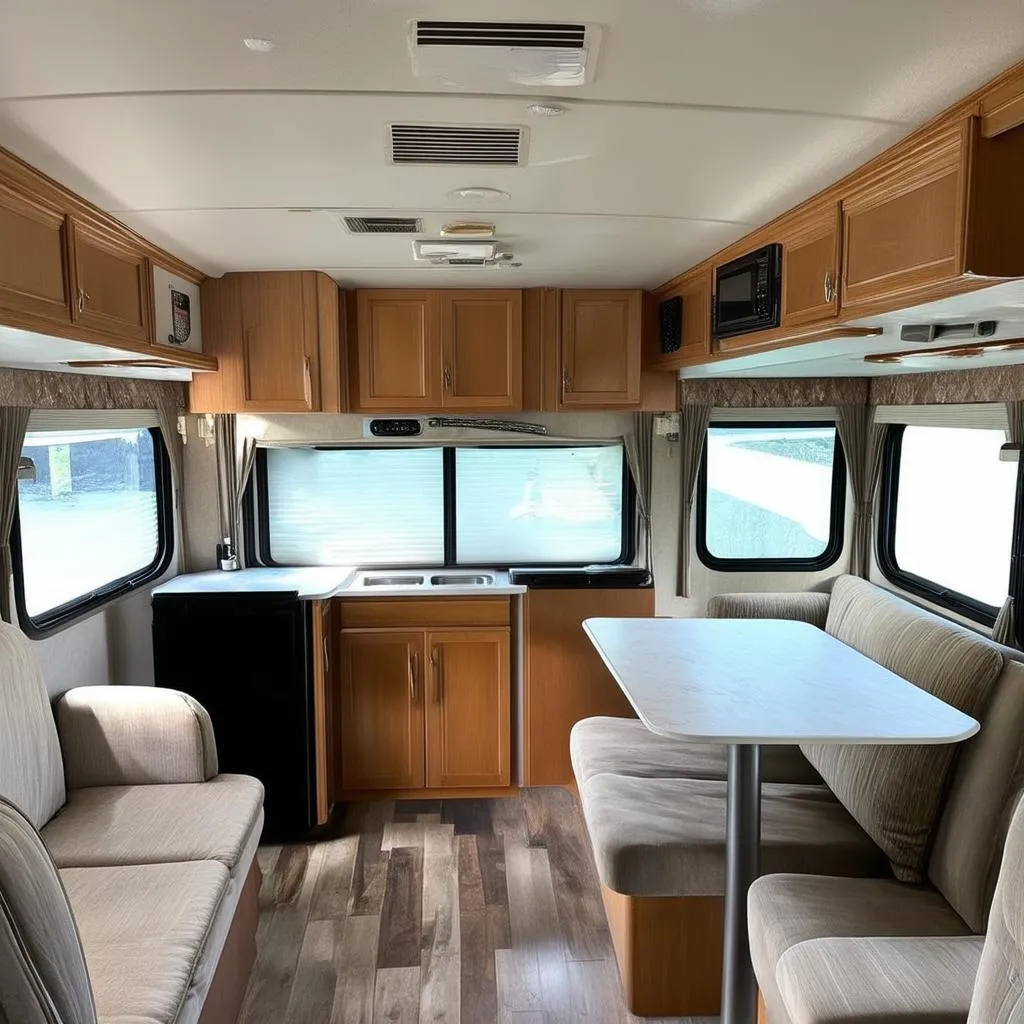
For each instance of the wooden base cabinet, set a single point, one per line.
(422, 708)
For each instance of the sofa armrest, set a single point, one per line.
(134, 735)
(809, 606)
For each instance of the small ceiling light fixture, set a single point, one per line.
(546, 109)
(258, 45)
(467, 229)
(479, 192)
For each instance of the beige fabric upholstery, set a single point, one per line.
(31, 773)
(987, 782)
(144, 928)
(809, 607)
(111, 825)
(784, 910)
(624, 746)
(880, 981)
(134, 735)
(43, 976)
(895, 793)
(999, 989)
(666, 837)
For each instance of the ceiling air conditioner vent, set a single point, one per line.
(529, 34)
(384, 225)
(457, 144)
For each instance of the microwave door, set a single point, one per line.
(736, 299)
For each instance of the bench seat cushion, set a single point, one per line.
(880, 980)
(144, 929)
(106, 826)
(666, 837)
(785, 910)
(625, 746)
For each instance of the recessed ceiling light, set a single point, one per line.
(546, 109)
(258, 45)
(479, 192)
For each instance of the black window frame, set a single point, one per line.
(67, 614)
(256, 519)
(944, 597)
(837, 522)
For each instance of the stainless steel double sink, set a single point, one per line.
(453, 579)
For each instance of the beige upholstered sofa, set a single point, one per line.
(128, 880)
(934, 817)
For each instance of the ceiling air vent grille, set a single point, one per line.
(518, 34)
(456, 144)
(384, 225)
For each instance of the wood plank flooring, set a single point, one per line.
(428, 912)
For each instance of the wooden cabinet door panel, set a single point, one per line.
(381, 709)
(601, 348)
(398, 351)
(904, 227)
(280, 362)
(323, 716)
(695, 292)
(112, 290)
(468, 709)
(810, 266)
(33, 248)
(482, 334)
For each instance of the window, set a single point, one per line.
(946, 526)
(94, 521)
(771, 496)
(528, 505)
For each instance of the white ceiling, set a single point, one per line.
(705, 118)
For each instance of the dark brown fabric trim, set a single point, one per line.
(774, 393)
(950, 387)
(40, 389)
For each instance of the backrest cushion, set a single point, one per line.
(999, 986)
(43, 977)
(987, 782)
(896, 793)
(31, 770)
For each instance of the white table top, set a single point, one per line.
(765, 681)
(313, 584)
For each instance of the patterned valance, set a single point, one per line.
(40, 389)
(950, 387)
(774, 393)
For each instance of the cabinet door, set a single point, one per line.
(468, 710)
(323, 710)
(695, 344)
(601, 348)
(381, 709)
(398, 350)
(112, 290)
(280, 357)
(810, 266)
(33, 244)
(482, 345)
(903, 228)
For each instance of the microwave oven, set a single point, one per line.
(748, 293)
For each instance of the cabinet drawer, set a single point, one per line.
(406, 613)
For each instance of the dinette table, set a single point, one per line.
(746, 683)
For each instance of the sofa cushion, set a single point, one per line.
(624, 746)
(143, 928)
(808, 606)
(42, 968)
(112, 825)
(784, 910)
(987, 783)
(31, 771)
(666, 837)
(881, 980)
(896, 793)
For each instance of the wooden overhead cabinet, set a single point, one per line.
(601, 343)
(810, 265)
(694, 292)
(278, 338)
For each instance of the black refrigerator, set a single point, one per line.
(246, 657)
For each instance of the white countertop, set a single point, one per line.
(762, 681)
(321, 583)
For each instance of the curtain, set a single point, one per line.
(1005, 629)
(693, 429)
(235, 458)
(639, 448)
(167, 416)
(13, 424)
(862, 441)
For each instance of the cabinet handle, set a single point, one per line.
(83, 298)
(307, 382)
(435, 660)
(447, 379)
(566, 380)
(412, 676)
(829, 287)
